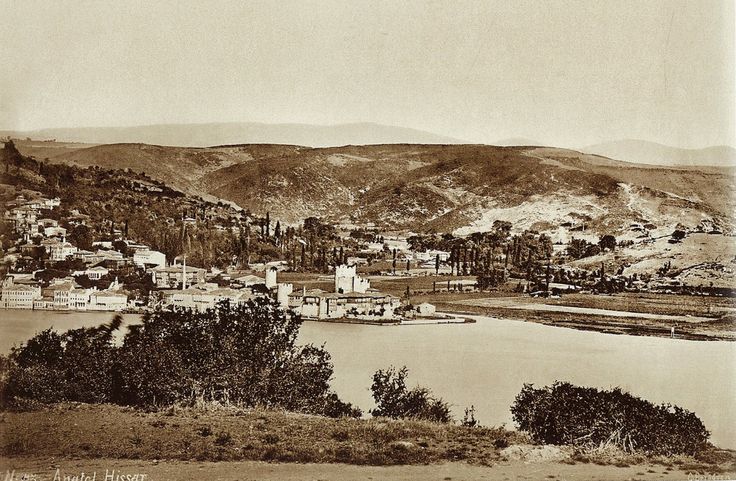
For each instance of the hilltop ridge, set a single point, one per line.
(440, 188)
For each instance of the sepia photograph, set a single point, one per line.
(368, 240)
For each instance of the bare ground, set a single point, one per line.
(45, 469)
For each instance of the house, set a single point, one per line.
(93, 273)
(50, 203)
(108, 300)
(134, 246)
(317, 304)
(425, 309)
(46, 222)
(102, 244)
(146, 258)
(201, 300)
(108, 258)
(58, 250)
(431, 256)
(54, 231)
(60, 293)
(85, 256)
(79, 299)
(19, 296)
(171, 277)
(61, 250)
(249, 280)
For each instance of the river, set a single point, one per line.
(486, 363)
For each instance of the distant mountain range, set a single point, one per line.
(213, 134)
(644, 152)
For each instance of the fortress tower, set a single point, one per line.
(347, 280)
(271, 277)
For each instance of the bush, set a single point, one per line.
(394, 400)
(74, 366)
(566, 414)
(245, 355)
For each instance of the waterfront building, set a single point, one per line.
(19, 296)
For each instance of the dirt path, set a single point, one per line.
(98, 469)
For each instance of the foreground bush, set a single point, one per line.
(566, 414)
(394, 400)
(244, 355)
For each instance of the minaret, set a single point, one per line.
(184, 274)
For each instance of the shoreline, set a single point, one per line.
(715, 330)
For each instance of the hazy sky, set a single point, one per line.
(560, 72)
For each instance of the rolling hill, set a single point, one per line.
(440, 188)
(653, 153)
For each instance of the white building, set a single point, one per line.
(79, 299)
(54, 231)
(107, 301)
(425, 309)
(316, 304)
(149, 258)
(93, 273)
(61, 293)
(19, 296)
(201, 300)
(171, 276)
(58, 251)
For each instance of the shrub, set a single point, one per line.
(566, 414)
(74, 366)
(245, 355)
(394, 400)
(469, 420)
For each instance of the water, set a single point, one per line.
(485, 364)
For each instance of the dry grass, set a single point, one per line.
(211, 432)
(711, 461)
(216, 433)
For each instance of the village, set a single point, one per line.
(48, 272)
(91, 282)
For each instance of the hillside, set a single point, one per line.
(657, 154)
(443, 188)
(203, 135)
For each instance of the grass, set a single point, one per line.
(214, 432)
(233, 434)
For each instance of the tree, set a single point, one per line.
(394, 400)
(576, 248)
(607, 243)
(81, 237)
(245, 354)
(678, 235)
